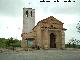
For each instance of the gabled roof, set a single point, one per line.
(49, 20)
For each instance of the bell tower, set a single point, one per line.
(28, 20)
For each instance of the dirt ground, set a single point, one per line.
(52, 54)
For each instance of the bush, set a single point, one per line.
(73, 43)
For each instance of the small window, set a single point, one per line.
(51, 26)
(30, 42)
(31, 13)
(51, 19)
(27, 13)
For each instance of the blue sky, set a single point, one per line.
(11, 16)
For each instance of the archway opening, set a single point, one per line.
(52, 40)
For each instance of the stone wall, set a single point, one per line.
(28, 21)
(41, 33)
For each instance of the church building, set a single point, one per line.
(48, 33)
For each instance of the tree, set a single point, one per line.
(73, 43)
(9, 43)
(78, 27)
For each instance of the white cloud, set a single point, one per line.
(10, 27)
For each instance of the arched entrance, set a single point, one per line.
(52, 41)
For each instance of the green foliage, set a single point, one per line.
(73, 43)
(10, 42)
(2, 42)
(78, 26)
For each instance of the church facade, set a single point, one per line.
(48, 33)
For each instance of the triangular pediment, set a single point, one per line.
(51, 19)
(50, 22)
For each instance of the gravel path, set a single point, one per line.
(42, 55)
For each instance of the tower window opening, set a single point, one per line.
(31, 13)
(27, 13)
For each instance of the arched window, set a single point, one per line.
(27, 13)
(31, 13)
